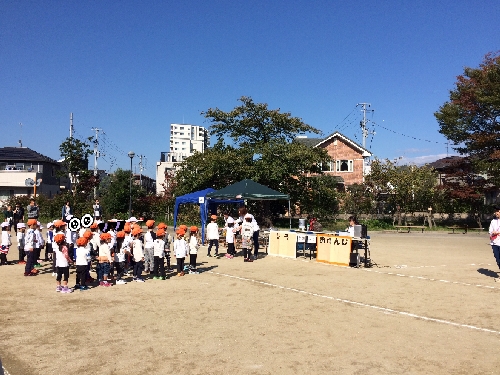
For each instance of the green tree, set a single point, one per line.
(253, 124)
(408, 188)
(75, 154)
(114, 192)
(471, 118)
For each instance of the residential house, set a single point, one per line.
(348, 158)
(20, 165)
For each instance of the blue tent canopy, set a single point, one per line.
(206, 205)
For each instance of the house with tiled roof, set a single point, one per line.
(20, 165)
(348, 158)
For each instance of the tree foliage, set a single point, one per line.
(471, 118)
(263, 152)
(253, 124)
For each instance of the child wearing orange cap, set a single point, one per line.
(213, 235)
(158, 253)
(181, 250)
(120, 256)
(138, 254)
(6, 243)
(59, 228)
(82, 261)
(168, 241)
(29, 248)
(149, 239)
(194, 245)
(104, 259)
(63, 261)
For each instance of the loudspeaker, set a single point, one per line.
(364, 231)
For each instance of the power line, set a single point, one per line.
(409, 136)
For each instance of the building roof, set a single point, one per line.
(18, 154)
(317, 142)
(446, 162)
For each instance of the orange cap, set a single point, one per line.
(59, 223)
(183, 227)
(136, 231)
(127, 228)
(120, 234)
(32, 222)
(160, 233)
(194, 228)
(150, 223)
(59, 238)
(162, 226)
(213, 217)
(105, 236)
(94, 225)
(180, 232)
(82, 241)
(87, 234)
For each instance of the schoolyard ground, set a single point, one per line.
(429, 306)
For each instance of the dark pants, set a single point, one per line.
(3, 258)
(496, 253)
(247, 253)
(213, 242)
(62, 271)
(256, 243)
(81, 275)
(21, 254)
(36, 250)
(230, 249)
(167, 257)
(48, 250)
(138, 266)
(103, 270)
(158, 267)
(180, 265)
(30, 261)
(120, 269)
(192, 260)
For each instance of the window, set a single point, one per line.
(344, 165)
(327, 167)
(181, 127)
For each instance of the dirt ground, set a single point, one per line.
(430, 306)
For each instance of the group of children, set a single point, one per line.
(112, 252)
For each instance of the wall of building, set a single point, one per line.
(338, 150)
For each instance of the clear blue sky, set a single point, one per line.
(131, 68)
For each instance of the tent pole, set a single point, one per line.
(290, 214)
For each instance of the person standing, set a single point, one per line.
(97, 210)
(9, 217)
(67, 212)
(494, 232)
(32, 210)
(18, 215)
(213, 235)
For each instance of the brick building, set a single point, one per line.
(348, 158)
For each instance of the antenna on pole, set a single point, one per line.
(96, 155)
(71, 125)
(21, 135)
(364, 130)
(141, 168)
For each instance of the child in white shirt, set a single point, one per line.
(194, 245)
(158, 253)
(138, 254)
(62, 263)
(231, 251)
(149, 239)
(4, 249)
(213, 235)
(82, 259)
(120, 256)
(21, 228)
(247, 230)
(180, 250)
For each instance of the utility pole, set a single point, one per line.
(141, 168)
(96, 155)
(364, 130)
(71, 125)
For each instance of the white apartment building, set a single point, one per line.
(185, 140)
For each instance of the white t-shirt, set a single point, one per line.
(61, 260)
(230, 235)
(120, 254)
(158, 248)
(137, 249)
(180, 248)
(212, 231)
(495, 227)
(82, 256)
(148, 240)
(193, 245)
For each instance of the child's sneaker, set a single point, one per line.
(120, 282)
(139, 280)
(65, 289)
(101, 283)
(83, 288)
(193, 272)
(21, 262)
(58, 288)
(155, 277)
(106, 284)
(54, 274)
(77, 286)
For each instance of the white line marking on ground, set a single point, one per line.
(5, 371)
(379, 308)
(402, 275)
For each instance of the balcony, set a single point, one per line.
(17, 178)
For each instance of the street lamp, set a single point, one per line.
(131, 155)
